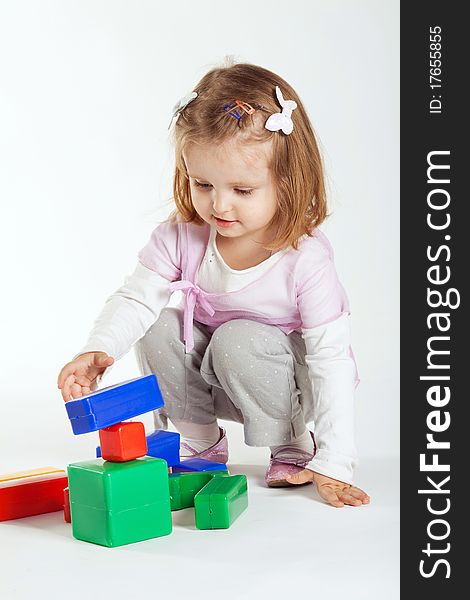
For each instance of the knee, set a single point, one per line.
(250, 337)
(233, 344)
(248, 348)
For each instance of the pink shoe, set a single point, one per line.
(281, 467)
(218, 452)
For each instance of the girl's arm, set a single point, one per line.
(128, 313)
(324, 311)
(333, 375)
(135, 306)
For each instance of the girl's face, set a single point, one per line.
(232, 188)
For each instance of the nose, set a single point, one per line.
(221, 203)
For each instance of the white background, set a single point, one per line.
(86, 94)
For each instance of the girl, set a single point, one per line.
(261, 336)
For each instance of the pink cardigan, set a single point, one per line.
(300, 290)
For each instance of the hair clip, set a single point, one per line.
(245, 106)
(230, 109)
(180, 105)
(282, 120)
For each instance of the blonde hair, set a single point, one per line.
(295, 161)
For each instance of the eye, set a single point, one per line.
(207, 186)
(204, 186)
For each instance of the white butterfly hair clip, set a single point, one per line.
(282, 120)
(180, 105)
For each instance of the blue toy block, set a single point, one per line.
(161, 444)
(114, 404)
(166, 445)
(198, 464)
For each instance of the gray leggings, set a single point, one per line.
(244, 371)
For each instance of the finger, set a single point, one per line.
(358, 493)
(76, 390)
(83, 380)
(65, 395)
(86, 390)
(65, 372)
(101, 360)
(331, 497)
(66, 389)
(347, 498)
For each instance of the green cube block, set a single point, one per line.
(184, 486)
(113, 504)
(221, 501)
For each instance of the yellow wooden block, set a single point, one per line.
(30, 473)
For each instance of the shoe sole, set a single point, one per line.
(285, 483)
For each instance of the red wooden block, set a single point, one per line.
(32, 492)
(67, 506)
(123, 442)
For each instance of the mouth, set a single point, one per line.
(224, 220)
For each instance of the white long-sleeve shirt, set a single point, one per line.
(131, 310)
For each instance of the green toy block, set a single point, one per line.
(113, 504)
(221, 501)
(184, 486)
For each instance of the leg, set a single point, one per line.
(262, 373)
(161, 351)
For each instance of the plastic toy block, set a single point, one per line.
(67, 518)
(33, 492)
(29, 473)
(123, 441)
(184, 486)
(198, 464)
(161, 444)
(113, 504)
(164, 444)
(220, 502)
(114, 404)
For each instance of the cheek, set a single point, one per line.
(259, 214)
(199, 199)
(264, 206)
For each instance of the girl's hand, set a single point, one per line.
(78, 377)
(336, 493)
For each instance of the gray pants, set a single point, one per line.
(244, 371)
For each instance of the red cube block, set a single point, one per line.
(123, 441)
(67, 506)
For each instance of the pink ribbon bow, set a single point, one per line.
(193, 294)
